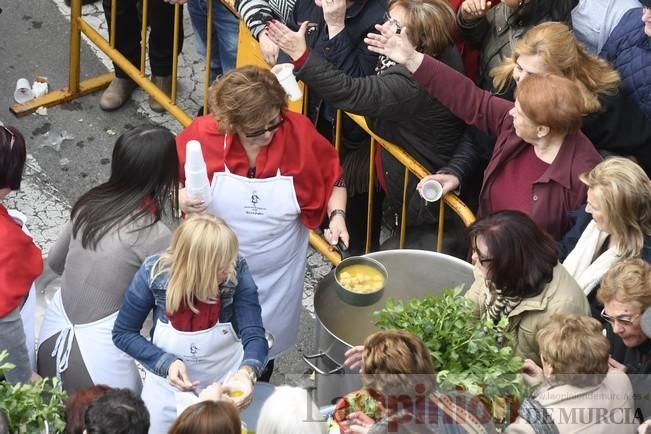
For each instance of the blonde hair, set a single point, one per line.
(430, 24)
(202, 248)
(556, 44)
(575, 348)
(628, 281)
(245, 98)
(623, 192)
(396, 361)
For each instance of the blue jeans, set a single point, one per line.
(225, 30)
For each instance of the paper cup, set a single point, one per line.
(23, 91)
(431, 190)
(285, 74)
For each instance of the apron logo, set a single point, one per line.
(224, 332)
(194, 349)
(253, 209)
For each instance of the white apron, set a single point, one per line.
(28, 311)
(210, 355)
(265, 216)
(106, 364)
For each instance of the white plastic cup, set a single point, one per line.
(431, 190)
(197, 185)
(23, 91)
(285, 74)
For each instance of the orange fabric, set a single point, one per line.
(20, 263)
(297, 149)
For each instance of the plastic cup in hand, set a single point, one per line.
(285, 74)
(431, 190)
(23, 91)
(197, 185)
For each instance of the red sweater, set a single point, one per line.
(21, 263)
(558, 191)
(297, 149)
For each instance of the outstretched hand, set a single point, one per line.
(395, 46)
(291, 42)
(475, 9)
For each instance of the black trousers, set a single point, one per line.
(161, 35)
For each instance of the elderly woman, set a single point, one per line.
(615, 225)
(574, 379)
(518, 276)
(396, 366)
(395, 106)
(208, 325)
(112, 229)
(273, 178)
(629, 50)
(613, 122)
(538, 138)
(493, 28)
(625, 293)
(20, 263)
(290, 410)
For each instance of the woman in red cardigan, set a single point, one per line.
(539, 150)
(20, 260)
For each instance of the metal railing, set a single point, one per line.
(248, 54)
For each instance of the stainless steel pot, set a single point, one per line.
(340, 326)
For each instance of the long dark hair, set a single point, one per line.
(144, 181)
(522, 256)
(537, 11)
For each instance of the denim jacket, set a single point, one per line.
(239, 306)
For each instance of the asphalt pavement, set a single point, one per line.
(70, 145)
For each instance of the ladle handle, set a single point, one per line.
(318, 370)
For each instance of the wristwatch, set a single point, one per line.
(251, 373)
(338, 211)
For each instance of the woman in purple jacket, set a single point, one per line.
(539, 150)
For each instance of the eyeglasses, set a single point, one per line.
(393, 23)
(625, 320)
(12, 135)
(269, 129)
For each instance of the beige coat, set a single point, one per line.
(561, 295)
(602, 409)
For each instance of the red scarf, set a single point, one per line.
(187, 321)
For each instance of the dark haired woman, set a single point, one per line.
(113, 228)
(518, 276)
(494, 29)
(20, 263)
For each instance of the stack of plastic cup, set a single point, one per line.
(197, 185)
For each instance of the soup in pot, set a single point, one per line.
(361, 278)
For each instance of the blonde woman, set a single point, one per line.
(615, 225)
(207, 319)
(612, 121)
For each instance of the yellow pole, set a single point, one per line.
(113, 21)
(439, 236)
(74, 63)
(143, 36)
(175, 49)
(134, 73)
(371, 197)
(338, 131)
(403, 217)
(206, 78)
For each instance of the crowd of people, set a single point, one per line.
(535, 112)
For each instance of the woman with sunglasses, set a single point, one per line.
(20, 264)
(625, 293)
(274, 177)
(518, 276)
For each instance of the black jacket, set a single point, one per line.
(399, 110)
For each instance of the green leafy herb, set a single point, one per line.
(30, 406)
(470, 353)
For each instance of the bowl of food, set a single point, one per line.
(360, 280)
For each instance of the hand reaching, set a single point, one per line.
(268, 48)
(177, 376)
(532, 373)
(334, 14)
(292, 43)
(354, 357)
(241, 382)
(614, 365)
(448, 182)
(191, 205)
(472, 10)
(396, 46)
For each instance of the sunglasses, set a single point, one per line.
(625, 320)
(393, 23)
(12, 135)
(269, 129)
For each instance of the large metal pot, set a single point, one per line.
(339, 326)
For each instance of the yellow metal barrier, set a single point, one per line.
(248, 54)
